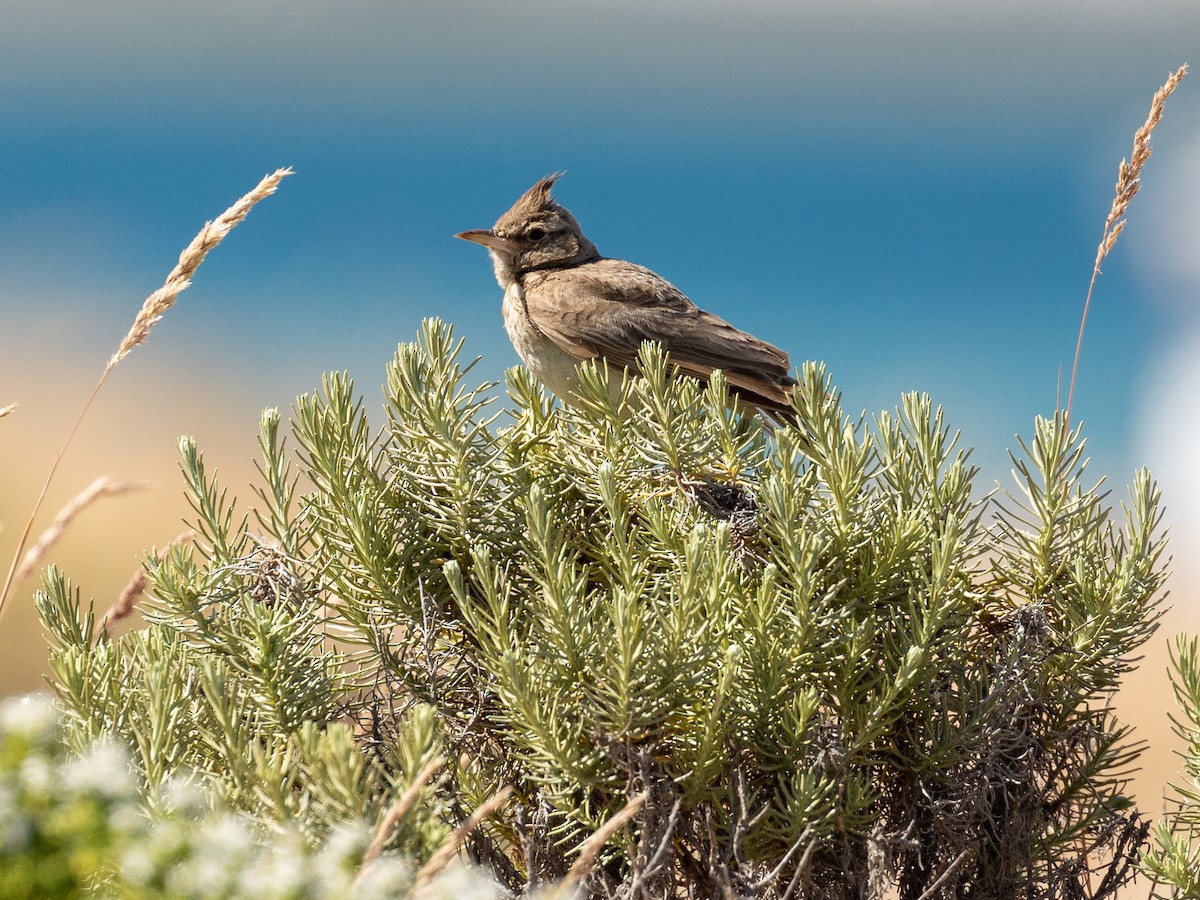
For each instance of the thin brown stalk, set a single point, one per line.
(133, 591)
(152, 310)
(590, 849)
(396, 812)
(1128, 182)
(101, 487)
(450, 847)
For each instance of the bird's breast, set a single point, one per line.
(553, 366)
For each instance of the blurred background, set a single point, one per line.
(910, 191)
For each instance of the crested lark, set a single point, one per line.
(564, 303)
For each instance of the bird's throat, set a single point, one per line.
(504, 267)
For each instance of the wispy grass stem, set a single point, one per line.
(152, 310)
(1128, 181)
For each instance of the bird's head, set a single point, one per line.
(536, 233)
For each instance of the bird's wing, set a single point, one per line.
(609, 307)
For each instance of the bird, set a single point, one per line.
(565, 303)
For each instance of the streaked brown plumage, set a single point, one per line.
(564, 303)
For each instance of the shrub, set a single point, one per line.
(811, 661)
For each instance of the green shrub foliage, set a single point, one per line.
(821, 659)
(75, 826)
(1174, 860)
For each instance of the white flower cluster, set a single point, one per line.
(57, 810)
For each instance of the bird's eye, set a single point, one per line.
(535, 233)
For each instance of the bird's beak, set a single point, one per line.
(488, 238)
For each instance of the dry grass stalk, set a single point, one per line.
(5, 410)
(450, 847)
(590, 849)
(152, 310)
(396, 812)
(133, 591)
(1128, 182)
(189, 260)
(101, 487)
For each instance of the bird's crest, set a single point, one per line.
(536, 199)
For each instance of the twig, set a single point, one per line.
(801, 867)
(929, 891)
(664, 844)
(778, 870)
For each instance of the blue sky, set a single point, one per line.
(910, 191)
